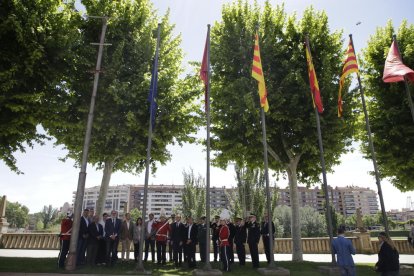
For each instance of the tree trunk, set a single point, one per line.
(294, 202)
(106, 178)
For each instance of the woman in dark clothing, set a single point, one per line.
(388, 259)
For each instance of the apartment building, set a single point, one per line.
(165, 198)
(404, 215)
(160, 198)
(116, 198)
(344, 199)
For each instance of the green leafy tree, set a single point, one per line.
(350, 221)
(193, 195)
(282, 218)
(248, 197)
(313, 224)
(291, 125)
(17, 215)
(135, 213)
(120, 127)
(389, 114)
(48, 216)
(369, 220)
(35, 54)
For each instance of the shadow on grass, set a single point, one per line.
(49, 265)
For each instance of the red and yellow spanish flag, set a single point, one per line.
(350, 66)
(316, 94)
(257, 74)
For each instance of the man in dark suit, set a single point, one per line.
(214, 225)
(95, 230)
(178, 238)
(112, 231)
(232, 230)
(149, 237)
(191, 241)
(169, 242)
(82, 238)
(201, 238)
(253, 238)
(264, 231)
(240, 239)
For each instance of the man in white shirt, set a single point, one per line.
(149, 238)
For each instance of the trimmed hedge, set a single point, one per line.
(397, 233)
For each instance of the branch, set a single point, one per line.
(288, 151)
(273, 154)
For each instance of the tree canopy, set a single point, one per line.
(389, 113)
(35, 53)
(291, 125)
(121, 117)
(17, 215)
(193, 195)
(120, 127)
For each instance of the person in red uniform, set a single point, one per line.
(224, 234)
(162, 229)
(65, 233)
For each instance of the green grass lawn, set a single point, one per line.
(49, 265)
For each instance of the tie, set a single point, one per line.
(113, 221)
(178, 224)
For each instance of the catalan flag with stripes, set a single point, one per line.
(350, 66)
(257, 74)
(313, 81)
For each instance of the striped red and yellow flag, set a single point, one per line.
(257, 74)
(313, 81)
(350, 66)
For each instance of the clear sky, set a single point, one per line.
(50, 181)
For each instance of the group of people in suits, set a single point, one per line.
(227, 234)
(99, 239)
(181, 237)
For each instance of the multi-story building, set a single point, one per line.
(358, 197)
(314, 198)
(168, 198)
(218, 197)
(116, 198)
(404, 215)
(159, 198)
(344, 199)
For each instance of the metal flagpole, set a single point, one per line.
(268, 204)
(407, 89)
(140, 265)
(207, 264)
(325, 182)
(71, 259)
(371, 147)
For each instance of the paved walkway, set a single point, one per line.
(358, 258)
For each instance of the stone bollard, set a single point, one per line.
(3, 221)
(364, 245)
